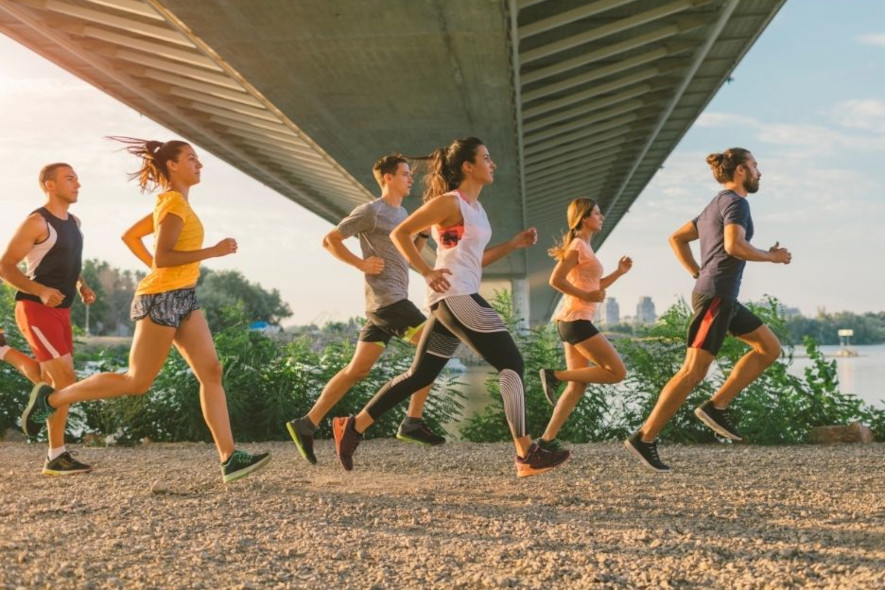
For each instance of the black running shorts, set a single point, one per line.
(401, 319)
(714, 317)
(576, 331)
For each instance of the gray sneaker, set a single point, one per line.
(550, 385)
(301, 431)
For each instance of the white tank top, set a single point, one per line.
(460, 249)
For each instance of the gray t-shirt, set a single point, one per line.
(373, 223)
(721, 273)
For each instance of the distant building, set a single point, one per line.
(645, 311)
(608, 313)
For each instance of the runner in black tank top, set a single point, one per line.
(50, 243)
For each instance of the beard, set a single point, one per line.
(751, 185)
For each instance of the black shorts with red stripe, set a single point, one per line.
(714, 318)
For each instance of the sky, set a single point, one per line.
(808, 100)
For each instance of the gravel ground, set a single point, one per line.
(731, 516)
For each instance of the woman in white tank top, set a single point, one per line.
(458, 313)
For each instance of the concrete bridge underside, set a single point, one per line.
(572, 97)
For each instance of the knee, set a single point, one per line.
(356, 372)
(138, 385)
(211, 373)
(694, 373)
(618, 372)
(770, 352)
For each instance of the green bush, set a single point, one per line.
(267, 382)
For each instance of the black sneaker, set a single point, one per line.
(241, 464)
(718, 420)
(646, 452)
(538, 461)
(65, 464)
(419, 433)
(550, 445)
(301, 431)
(347, 439)
(37, 410)
(550, 384)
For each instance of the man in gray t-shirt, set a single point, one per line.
(724, 229)
(388, 310)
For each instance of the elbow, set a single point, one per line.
(731, 250)
(160, 261)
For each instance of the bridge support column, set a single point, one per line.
(519, 291)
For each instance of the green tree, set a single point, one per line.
(220, 289)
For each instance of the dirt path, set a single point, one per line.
(158, 516)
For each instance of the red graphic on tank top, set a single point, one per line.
(450, 236)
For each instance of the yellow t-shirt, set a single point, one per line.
(160, 280)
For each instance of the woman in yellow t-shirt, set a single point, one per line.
(165, 309)
(589, 355)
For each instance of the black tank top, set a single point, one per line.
(57, 261)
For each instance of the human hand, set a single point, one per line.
(437, 281)
(625, 264)
(51, 297)
(525, 238)
(87, 295)
(780, 255)
(595, 296)
(372, 265)
(225, 247)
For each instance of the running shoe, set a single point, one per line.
(718, 420)
(420, 434)
(646, 452)
(538, 461)
(37, 410)
(65, 464)
(347, 439)
(550, 384)
(241, 464)
(550, 445)
(301, 431)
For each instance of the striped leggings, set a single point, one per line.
(469, 319)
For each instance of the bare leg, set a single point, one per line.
(765, 350)
(60, 373)
(150, 346)
(194, 341)
(594, 360)
(23, 364)
(694, 369)
(364, 358)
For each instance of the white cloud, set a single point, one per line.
(865, 114)
(875, 39)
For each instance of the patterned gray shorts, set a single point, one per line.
(165, 309)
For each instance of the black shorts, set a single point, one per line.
(401, 319)
(714, 317)
(576, 331)
(169, 308)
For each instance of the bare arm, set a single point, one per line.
(559, 279)
(133, 238)
(737, 245)
(334, 243)
(680, 243)
(442, 210)
(167, 234)
(32, 231)
(523, 239)
(624, 266)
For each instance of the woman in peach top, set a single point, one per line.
(589, 356)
